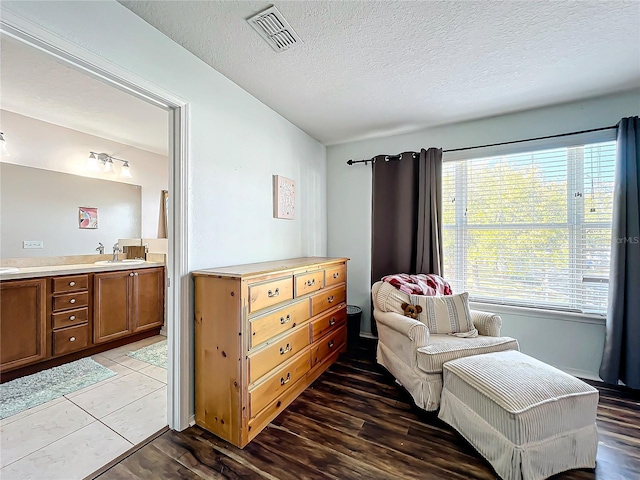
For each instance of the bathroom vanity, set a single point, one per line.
(50, 315)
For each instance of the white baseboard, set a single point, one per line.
(192, 420)
(582, 374)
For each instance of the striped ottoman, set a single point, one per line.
(528, 419)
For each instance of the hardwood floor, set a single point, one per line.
(354, 422)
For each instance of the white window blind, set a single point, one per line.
(531, 229)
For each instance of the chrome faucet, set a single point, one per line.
(100, 248)
(116, 249)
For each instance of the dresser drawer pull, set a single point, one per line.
(72, 317)
(72, 284)
(286, 319)
(332, 322)
(286, 349)
(311, 283)
(274, 293)
(285, 380)
(331, 299)
(73, 300)
(336, 275)
(72, 339)
(131, 274)
(331, 343)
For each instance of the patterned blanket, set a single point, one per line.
(421, 284)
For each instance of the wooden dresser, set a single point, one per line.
(263, 333)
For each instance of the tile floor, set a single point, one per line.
(73, 436)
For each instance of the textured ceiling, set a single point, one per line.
(377, 68)
(35, 84)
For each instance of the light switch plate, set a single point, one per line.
(32, 244)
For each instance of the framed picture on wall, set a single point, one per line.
(88, 217)
(284, 197)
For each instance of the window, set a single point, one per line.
(531, 229)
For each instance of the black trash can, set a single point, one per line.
(354, 317)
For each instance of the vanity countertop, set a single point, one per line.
(54, 270)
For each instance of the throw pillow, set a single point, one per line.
(447, 314)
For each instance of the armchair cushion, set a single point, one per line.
(442, 348)
(446, 314)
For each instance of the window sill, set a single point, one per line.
(539, 312)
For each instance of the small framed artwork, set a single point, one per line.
(88, 217)
(284, 197)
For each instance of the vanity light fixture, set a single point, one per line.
(3, 146)
(97, 160)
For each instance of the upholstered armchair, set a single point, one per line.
(415, 357)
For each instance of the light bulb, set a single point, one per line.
(125, 171)
(92, 162)
(3, 146)
(108, 166)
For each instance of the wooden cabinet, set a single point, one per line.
(23, 322)
(263, 333)
(127, 302)
(70, 313)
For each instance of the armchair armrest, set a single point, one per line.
(402, 335)
(486, 323)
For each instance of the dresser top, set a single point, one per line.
(253, 269)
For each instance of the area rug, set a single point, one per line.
(155, 354)
(33, 390)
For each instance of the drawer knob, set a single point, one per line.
(286, 319)
(285, 380)
(72, 284)
(336, 275)
(331, 343)
(332, 322)
(311, 283)
(72, 317)
(286, 349)
(331, 299)
(72, 339)
(73, 300)
(131, 274)
(136, 274)
(273, 293)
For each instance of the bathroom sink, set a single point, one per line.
(127, 261)
(8, 270)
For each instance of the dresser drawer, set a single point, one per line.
(335, 275)
(326, 323)
(70, 300)
(70, 284)
(327, 299)
(281, 380)
(70, 317)
(70, 339)
(309, 282)
(280, 351)
(328, 345)
(263, 295)
(267, 326)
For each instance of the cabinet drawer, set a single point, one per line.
(281, 380)
(309, 282)
(335, 275)
(270, 357)
(70, 284)
(267, 326)
(263, 295)
(327, 345)
(70, 317)
(327, 299)
(70, 339)
(325, 324)
(70, 300)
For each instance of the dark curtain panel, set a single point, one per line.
(407, 215)
(621, 357)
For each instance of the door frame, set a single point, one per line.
(178, 301)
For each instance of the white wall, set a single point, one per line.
(42, 205)
(39, 144)
(349, 211)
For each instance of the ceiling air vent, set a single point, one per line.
(276, 31)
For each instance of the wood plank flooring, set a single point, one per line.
(354, 422)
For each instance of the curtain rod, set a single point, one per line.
(397, 157)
